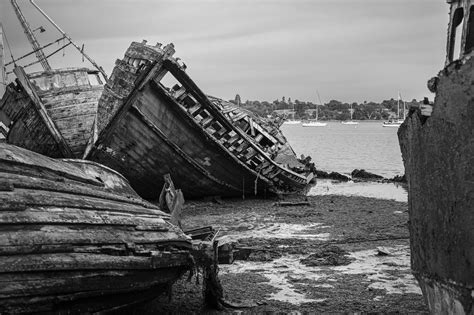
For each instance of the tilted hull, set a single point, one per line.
(75, 237)
(439, 161)
(156, 130)
(52, 112)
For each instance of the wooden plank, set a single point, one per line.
(25, 83)
(18, 160)
(207, 121)
(74, 188)
(86, 261)
(38, 235)
(27, 198)
(102, 282)
(195, 110)
(73, 216)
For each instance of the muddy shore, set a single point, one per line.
(336, 254)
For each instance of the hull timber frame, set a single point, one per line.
(52, 112)
(75, 237)
(229, 161)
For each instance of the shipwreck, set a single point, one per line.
(438, 153)
(74, 235)
(210, 146)
(53, 111)
(136, 124)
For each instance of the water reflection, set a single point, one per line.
(364, 189)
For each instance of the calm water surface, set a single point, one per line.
(343, 148)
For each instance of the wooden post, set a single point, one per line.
(3, 79)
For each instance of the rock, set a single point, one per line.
(332, 175)
(363, 174)
(327, 256)
(263, 255)
(399, 179)
(383, 251)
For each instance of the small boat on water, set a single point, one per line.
(313, 123)
(396, 123)
(153, 119)
(438, 153)
(350, 122)
(75, 237)
(393, 123)
(292, 122)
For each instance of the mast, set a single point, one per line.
(3, 79)
(31, 37)
(81, 50)
(317, 106)
(398, 106)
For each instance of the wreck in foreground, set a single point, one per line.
(438, 153)
(74, 235)
(148, 127)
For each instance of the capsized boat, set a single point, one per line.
(438, 153)
(153, 119)
(75, 236)
(53, 111)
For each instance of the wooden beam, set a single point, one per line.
(41, 109)
(3, 78)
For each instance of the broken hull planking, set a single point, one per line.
(75, 235)
(151, 133)
(439, 161)
(69, 102)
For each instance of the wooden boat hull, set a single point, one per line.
(151, 132)
(53, 112)
(438, 153)
(75, 237)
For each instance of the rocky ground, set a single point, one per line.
(334, 254)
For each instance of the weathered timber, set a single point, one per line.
(147, 130)
(75, 236)
(58, 110)
(438, 153)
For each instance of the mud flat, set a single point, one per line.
(337, 254)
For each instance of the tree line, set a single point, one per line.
(332, 110)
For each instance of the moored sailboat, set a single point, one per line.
(315, 122)
(396, 123)
(350, 122)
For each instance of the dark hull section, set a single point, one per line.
(155, 137)
(439, 163)
(74, 237)
(209, 147)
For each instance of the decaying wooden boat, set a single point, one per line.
(438, 153)
(209, 146)
(52, 112)
(75, 237)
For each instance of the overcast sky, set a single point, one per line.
(349, 50)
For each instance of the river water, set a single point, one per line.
(343, 148)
